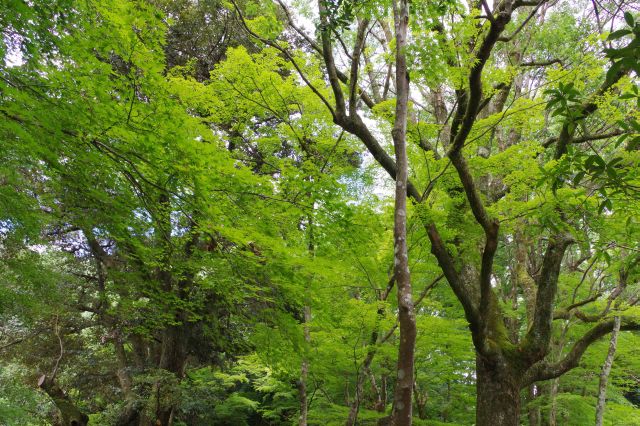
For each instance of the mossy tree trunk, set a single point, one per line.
(70, 413)
(498, 394)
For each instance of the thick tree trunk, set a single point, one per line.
(173, 360)
(606, 370)
(173, 354)
(498, 395)
(71, 415)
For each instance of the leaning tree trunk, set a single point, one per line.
(606, 369)
(71, 415)
(402, 411)
(498, 394)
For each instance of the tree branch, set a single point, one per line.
(355, 62)
(565, 313)
(584, 139)
(524, 23)
(286, 53)
(536, 342)
(541, 63)
(543, 370)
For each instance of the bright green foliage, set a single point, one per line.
(169, 179)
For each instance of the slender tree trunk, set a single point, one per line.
(365, 369)
(421, 399)
(304, 373)
(302, 393)
(363, 372)
(533, 412)
(130, 414)
(379, 404)
(355, 404)
(553, 391)
(383, 392)
(402, 411)
(306, 317)
(606, 370)
(498, 395)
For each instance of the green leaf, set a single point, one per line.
(628, 17)
(619, 34)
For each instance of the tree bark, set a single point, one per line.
(553, 392)
(71, 415)
(173, 356)
(533, 412)
(304, 372)
(130, 414)
(402, 411)
(498, 395)
(606, 370)
(355, 404)
(499, 382)
(173, 360)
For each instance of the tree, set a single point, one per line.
(505, 363)
(198, 199)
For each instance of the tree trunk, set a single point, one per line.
(306, 318)
(606, 369)
(130, 414)
(421, 401)
(173, 360)
(498, 395)
(71, 415)
(365, 370)
(355, 404)
(304, 372)
(553, 391)
(402, 411)
(379, 403)
(383, 393)
(533, 411)
(173, 356)
(302, 393)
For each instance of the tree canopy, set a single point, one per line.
(360, 212)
